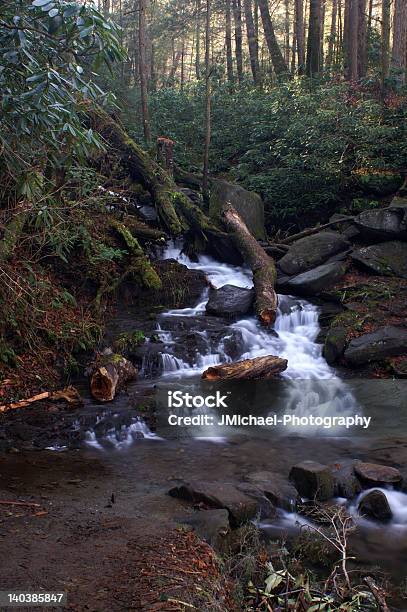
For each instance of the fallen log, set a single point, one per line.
(314, 230)
(176, 211)
(70, 395)
(109, 375)
(248, 369)
(262, 266)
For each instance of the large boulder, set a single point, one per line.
(229, 301)
(346, 483)
(386, 258)
(248, 204)
(314, 281)
(383, 224)
(240, 506)
(388, 341)
(374, 475)
(313, 480)
(375, 505)
(312, 251)
(335, 343)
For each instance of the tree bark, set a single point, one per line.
(262, 266)
(237, 16)
(205, 189)
(322, 39)
(362, 46)
(385, 40)
(314, 39)
(252, 42)
(287, 32)
(247, 369)
(299, 29)
(143, 70)
(351, 39)
(110, 376)
(198, 40)
(399, 40)
(228, 43)
(279, 65)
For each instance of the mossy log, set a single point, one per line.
(248, 369)
(176, 211)
(262, 266)
(109, 377)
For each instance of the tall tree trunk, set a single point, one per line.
(369, 20)
(340, 43)
(294, 46)
(237, 15)
(321, 52)
(198, 40)
(143, 70)
(399, 40)
(287, 32)
(205, 186)
(252, 42)
(332, 34)
(314, 39)
(183, 65)
(299, 28)
(228, 42)
(279, 65)
(362, 49)
(351, 43)
(385, 40)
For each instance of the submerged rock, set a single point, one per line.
(372, 474)
(313, 480)
(240, 506)
(388, 341)
(375, 505)
(316, 280)
(387, 258)
(230, 301)
(210, 525)
(248, 204)
(312, 251)
(382, 224)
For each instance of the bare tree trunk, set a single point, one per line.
(299, 28)
(237, 15)
(294, 46)
(279, 65)
(143, 71)
(340, 44)
(321, 53)
(332, 34)
(198, 40)
(228, 42)
(182, 65)
(399, 40)
(262, 266)
(252, 42)
(369, 20)
(287, 32)
(362, 49)
(385, 40)
(351, 39)
(314, 39)
(205, 186)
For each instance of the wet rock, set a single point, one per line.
(287, 304)
(316, 280)
(210, 525)
(230, 301)
(382, 224)
(335, 343)
(147, 213)
(248, 204)
(385, 342)
(280, 492)
(266, 508)
(346, 483)
(312, 251)
(241, 507)
(399, 202)
(375, 505)
(193, 195)
(372, 474)
(387, 258)
(313, 480)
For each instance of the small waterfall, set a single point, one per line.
(170, 363)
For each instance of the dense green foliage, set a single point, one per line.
(303, 149)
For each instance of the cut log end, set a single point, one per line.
(108, 379)
(267, 317)
(259, 368)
